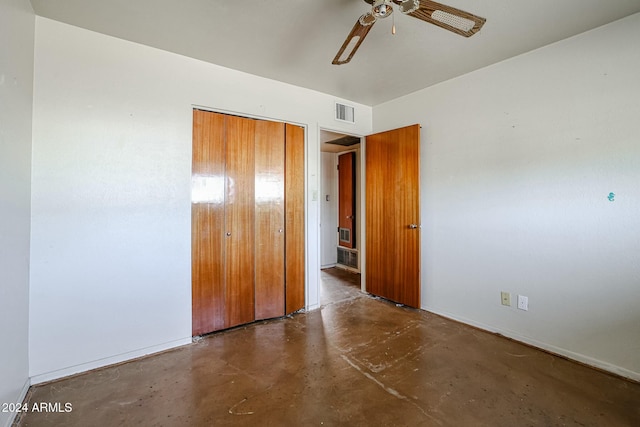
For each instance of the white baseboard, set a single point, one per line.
(21, 397)
(100, 363)
(581, 358)
(313, 307)
(347, 268)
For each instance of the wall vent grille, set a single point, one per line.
(347, 257)
(345, 113)
(345, 235)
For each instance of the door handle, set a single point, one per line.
(414, 226)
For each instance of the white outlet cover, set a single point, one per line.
(523, 302)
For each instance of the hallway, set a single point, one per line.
(357, 361)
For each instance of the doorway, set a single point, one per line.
(341, 201)
(387, 214)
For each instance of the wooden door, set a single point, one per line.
(248, 252)
(269, 219)
(294, 214)
(393, 215)
(347, 201)
(239, 221)
(207, 222)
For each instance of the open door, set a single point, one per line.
(393, 215)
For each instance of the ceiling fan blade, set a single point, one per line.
(447, 17)
(354, 39)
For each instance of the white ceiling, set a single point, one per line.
(294, 41)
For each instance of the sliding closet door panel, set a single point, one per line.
(239, 221)
(269, 212)
(294, 214)
(207, 218)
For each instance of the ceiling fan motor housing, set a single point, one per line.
(382, 8)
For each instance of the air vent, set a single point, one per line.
(345, 235)
(345, 113)
(347, 257)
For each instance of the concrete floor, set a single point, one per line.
(358, 361)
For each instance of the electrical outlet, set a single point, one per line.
(506, 298)
(523, 302)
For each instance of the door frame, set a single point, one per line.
(360, 199)
(328, 220)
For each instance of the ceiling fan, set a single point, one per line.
(447, 17)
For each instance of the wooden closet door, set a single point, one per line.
(248, 253)
(269, 219)
(294, 214)
(207, 222)
(239, 221)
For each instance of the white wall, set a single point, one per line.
(16, 94)
(517, 162)
(111, 250)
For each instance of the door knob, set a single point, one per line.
(413, 226)
(228, 233)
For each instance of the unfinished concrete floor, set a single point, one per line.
(358, 361)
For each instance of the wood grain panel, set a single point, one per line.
(269, 219)
(294, 214)
(239, 221)
(207, 219)
(427, 8)
(379, 267)
(346, 194)
(392, 204)
(353, 41)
